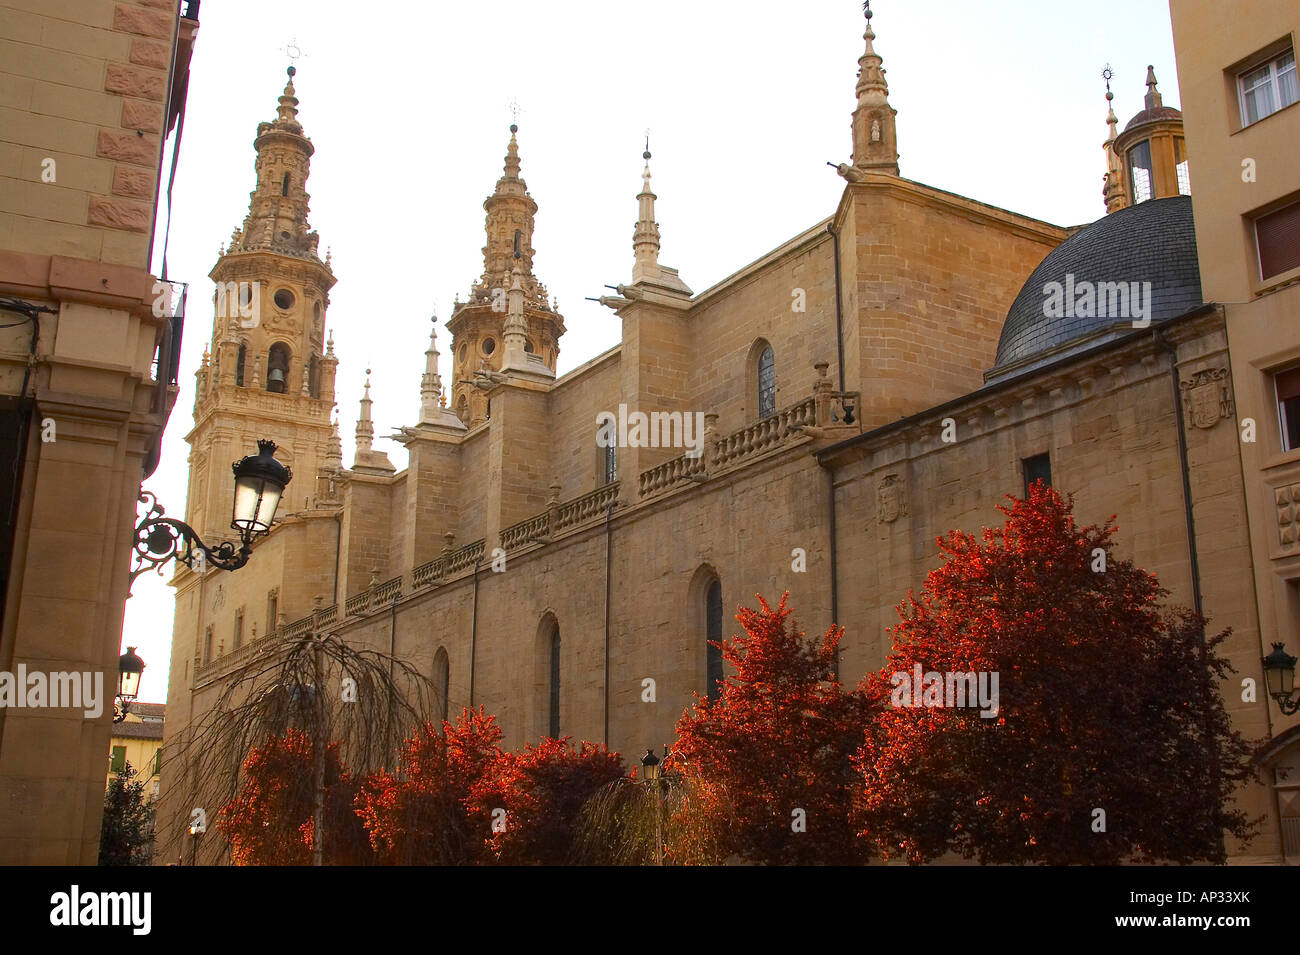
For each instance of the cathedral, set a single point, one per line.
(885, 376)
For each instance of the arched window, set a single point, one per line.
(462, 410)
(313, 376)
(277, 368)
(239, 364)
(442, 679)
(766, 382)
(284, 185)
(553, 707)
(713, 634)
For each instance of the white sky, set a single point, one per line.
(406, 103)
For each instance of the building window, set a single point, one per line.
(713, 635)
(277, 368)
(157, 762)
(1287, 385)
(1037, 468)
(611, 464)
(1267, 88)
(1277, 238)
(118, 761)
(238, 640)
(284, 185)
(489, 346)
(766, 383)
(442, 679)
(1180, 167)
(239, 364)
(272, 609)
(207, 645)
(553, 720)
(313, 377)
(462, 410)
(1139, 172)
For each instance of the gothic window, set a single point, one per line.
(766, 383)
(553, 709)
(284, 185)
(611, 464)
(442, 679)
(277, 368)
(239, 364)
(713, 634)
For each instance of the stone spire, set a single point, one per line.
(645, 237)
(509, 225)
(1153, 95)
(366, 458)
(1112, 190)
(334, 451)
(514, 333)
(875, 145)
(430, 381)
(277, 210)
(365, 427)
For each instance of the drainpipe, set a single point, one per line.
(338, 553)
(473, 634)
(834, 569)
(609, 531)
(839, 309)
(1212, 753)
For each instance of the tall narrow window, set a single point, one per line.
(611, 464)
(207, 645)
(277, 368)
(1139, 172)
(118, 762)
(237, 640)
(239, 364)
(313, 377)
(1287, 384)
(284, 185)
(442, 679)
(766, 383)
(713, 635)
(1180, 167)
(1037, 468)
(553, 721)
(272, 609)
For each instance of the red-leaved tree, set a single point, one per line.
(528, 804)
(1110, 740)
(767, 764)
(419, 814)
(270, 820)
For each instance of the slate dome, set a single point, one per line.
(1153, 241)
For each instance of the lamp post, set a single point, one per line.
(129, 669)
(1279, 676)
(259, 481)
(196, 833)
(650, 772)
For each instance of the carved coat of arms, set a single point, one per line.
(1206, 396)
(891, 500)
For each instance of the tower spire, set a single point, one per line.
(645, 237)
(365, 427)
(1112, 190)
(874, 139)
(1153, 95)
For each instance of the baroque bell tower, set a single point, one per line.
(507, 326)
(268, 370)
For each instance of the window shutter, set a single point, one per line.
(1278, 237)
(1288, 384)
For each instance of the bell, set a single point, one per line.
(275, 379)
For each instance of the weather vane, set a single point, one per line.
(515, 110)
(1106, 74)
(293, 52)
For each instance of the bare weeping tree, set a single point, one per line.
(361, 699)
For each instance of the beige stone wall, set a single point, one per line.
(85, 84)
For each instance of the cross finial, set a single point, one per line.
(1107, 74)
(293, 52)
(646, 155)
(515, 110)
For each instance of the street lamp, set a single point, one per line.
(1279, 676)
(259, 481)
(129, 668)
(650, 771)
